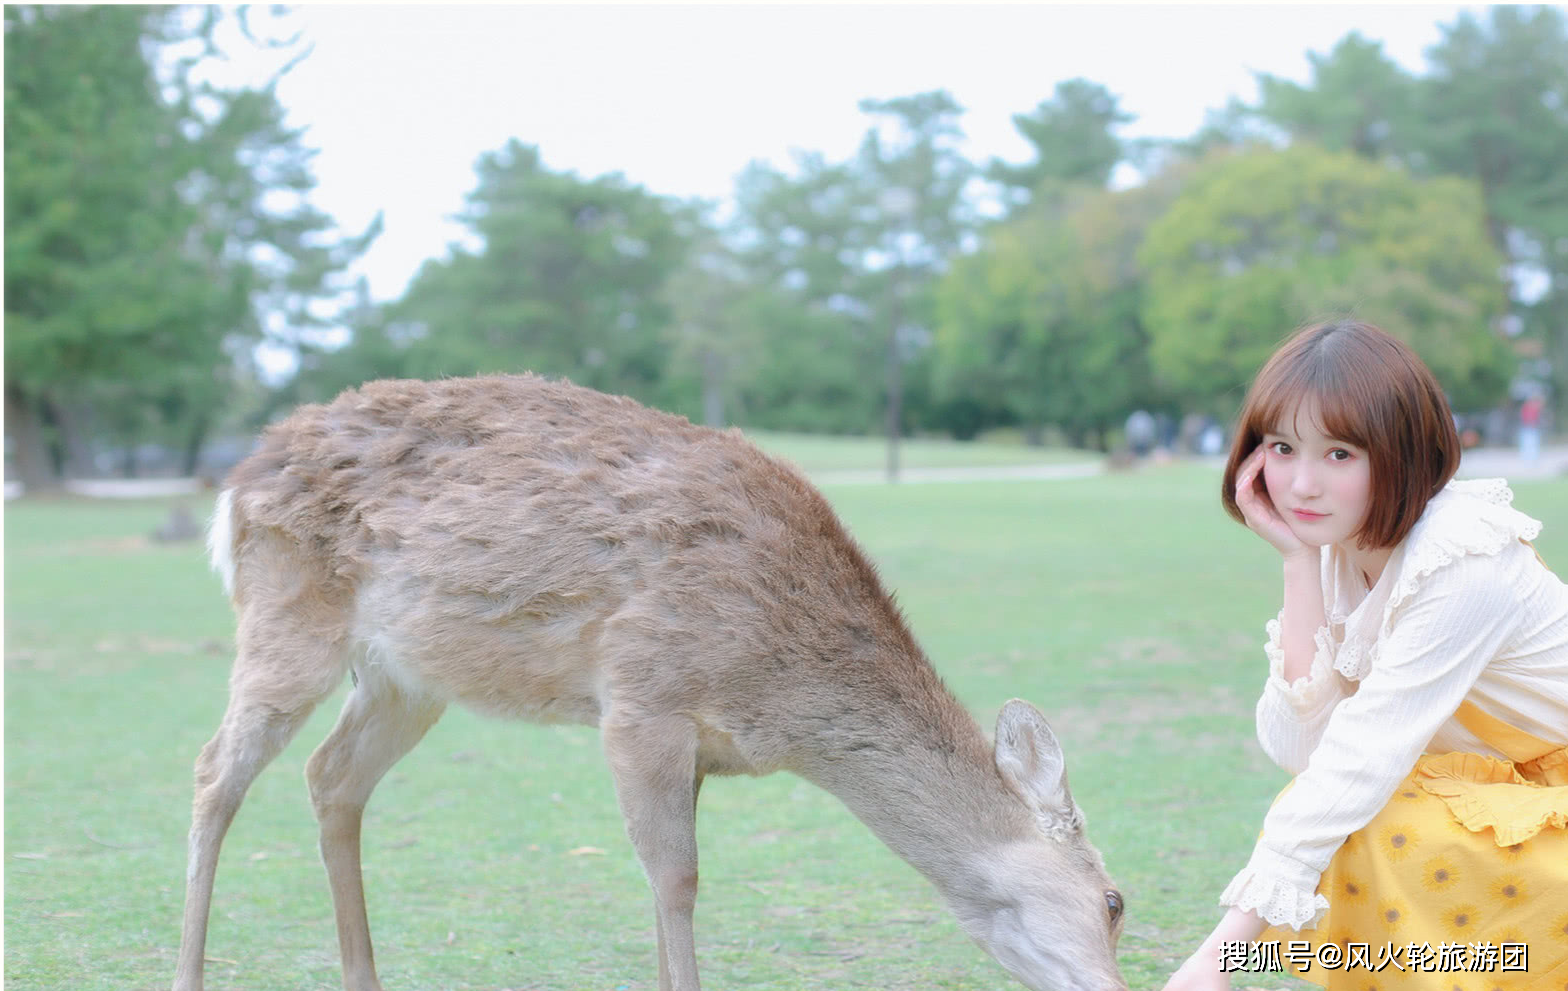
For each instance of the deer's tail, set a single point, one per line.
(221, 532)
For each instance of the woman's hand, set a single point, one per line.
(1252, 498)
(1201, 972)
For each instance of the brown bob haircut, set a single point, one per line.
(1372, 392)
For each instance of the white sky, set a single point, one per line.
(400, 101)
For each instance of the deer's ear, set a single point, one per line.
(1030, 760)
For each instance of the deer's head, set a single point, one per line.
(1041, 902)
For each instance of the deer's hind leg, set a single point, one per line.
(380, 722)
(281, 672)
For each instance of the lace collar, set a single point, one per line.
(1474, 516)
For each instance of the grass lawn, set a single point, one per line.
(1127, 607)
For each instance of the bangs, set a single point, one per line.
(1341, 407)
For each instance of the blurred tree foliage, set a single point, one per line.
(1493, 108)
(156, 228)
(800, 240)
(713, 336)
(842, 256)
(567, 278)
(1264, 240)
(913, 218)
(1073, 140)
(1044, 324)
(1359, 100)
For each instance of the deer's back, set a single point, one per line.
(533, 547)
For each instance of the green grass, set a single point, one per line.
(1128, 607)
(818, 453)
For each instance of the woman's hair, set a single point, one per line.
(1370, 390)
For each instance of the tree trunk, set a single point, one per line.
(71, 425)
(712, 390)
(895, 388)
(193, 445)
(1556, 334)
(34, 465)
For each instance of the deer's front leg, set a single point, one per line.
(654, 761)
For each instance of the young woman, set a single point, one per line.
(1417, 689)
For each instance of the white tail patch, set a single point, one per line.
(220, 540)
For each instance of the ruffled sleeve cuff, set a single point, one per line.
(1308, 696)
(1281, 890)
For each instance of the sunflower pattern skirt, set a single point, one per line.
(1459, 884)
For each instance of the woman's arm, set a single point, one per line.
(1302, 689)
(1201, 971)
(1291, 717)
(1303, 613)
(1427, 662)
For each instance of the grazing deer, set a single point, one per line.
(537, 550)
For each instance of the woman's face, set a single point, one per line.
(1320, 486)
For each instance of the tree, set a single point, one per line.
(1496, 109)
(1073, 138)
(798, 239)
(95, 266)
(155, 228)
(810, 374)
(1359, 100)
(799, 231)
(841, 255)
(1043, 324)
(1261, 241)
(568, 279)
(914, 221)
(711, 332)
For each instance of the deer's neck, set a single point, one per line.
(923, 778)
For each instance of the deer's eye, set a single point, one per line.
(1113, 901)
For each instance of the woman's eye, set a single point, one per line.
(1339, 454)
(1280, 447)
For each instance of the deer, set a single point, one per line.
(532, 549)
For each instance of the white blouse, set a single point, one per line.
(1462, 611)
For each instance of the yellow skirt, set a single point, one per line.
(1459, 884)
